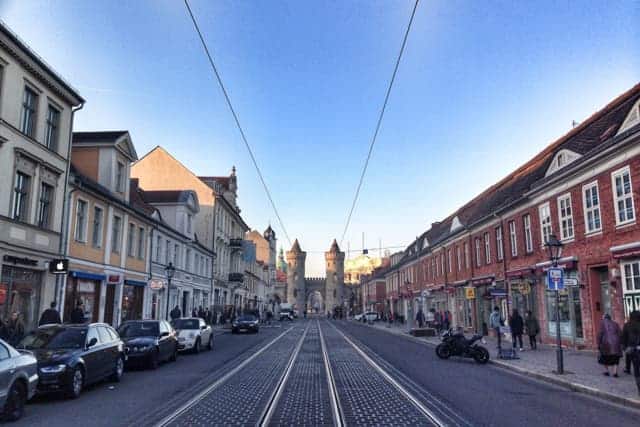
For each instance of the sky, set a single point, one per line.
(482, 87)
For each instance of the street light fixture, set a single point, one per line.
(554, 247)
(169, 271)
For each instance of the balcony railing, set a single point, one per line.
(235, 243)
(236, 277)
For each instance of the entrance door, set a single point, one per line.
(605, 292)
(185, 304)
(108, 307)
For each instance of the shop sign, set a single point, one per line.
(498, 293)
(523, 287)
(17, 260)
(113, 279)
(59, 266)
(156, 284)
(470, 293)
(571, 282)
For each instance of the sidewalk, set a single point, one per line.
(582, 372)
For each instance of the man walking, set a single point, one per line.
(175, 313)
(50, 315)
(77, 315)
(420, 318)
(495, 322)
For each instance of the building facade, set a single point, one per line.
(36, 119)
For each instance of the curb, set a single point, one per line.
(580, 388)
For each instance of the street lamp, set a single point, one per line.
(554, 247)
(169, 271)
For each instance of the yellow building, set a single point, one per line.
(354, 268)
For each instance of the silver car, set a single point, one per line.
(18, 380)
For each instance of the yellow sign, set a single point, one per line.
(470, 293)
(525, 288)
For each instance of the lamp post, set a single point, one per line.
(554, 248)
(169, 271)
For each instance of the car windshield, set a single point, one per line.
(55, 338)
(246, 319)
(139, 329)
(186, 324)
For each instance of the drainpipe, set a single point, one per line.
(504, 262)
(64, 222)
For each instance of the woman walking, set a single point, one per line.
(517, 327)
(609, 345)
(533, 329)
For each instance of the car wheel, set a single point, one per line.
(174, 355)
(118, 370)
(196, 347)
(16, 399)
(155, 359)
(210, 344)
(77, 382)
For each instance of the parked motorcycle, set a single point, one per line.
(456, 344)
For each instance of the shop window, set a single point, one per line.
(623, 196)
(570, 311)
(20, 292)
(565, 216)
(86, 292)
(591, 208)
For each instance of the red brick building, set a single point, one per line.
(584, 189)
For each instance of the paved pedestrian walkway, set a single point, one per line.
(582, 372)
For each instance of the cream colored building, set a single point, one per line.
(36, 118)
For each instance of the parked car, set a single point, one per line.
(193, 333)
(72, 356)
(149, 342)
(248, 323)
(18, 380)
(369, 316)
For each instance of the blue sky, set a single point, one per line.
(482, 87)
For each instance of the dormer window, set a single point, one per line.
(561, 159)
(120, 177)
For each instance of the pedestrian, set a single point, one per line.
(77, 314)
(194, 312)
(516, 324)
(201, 313)
(15, 329)
(631, 341)
(533, 329)
(207, 316)
(175, 313)
(437, 319)
(420, 318)
(50, 315)
(609, 345)
(495, 322)
(447, 320)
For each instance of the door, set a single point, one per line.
(605, 292)
(164, 340)
(94, 357)
(109, 350)
(108, 308)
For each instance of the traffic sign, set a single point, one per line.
(555, 279)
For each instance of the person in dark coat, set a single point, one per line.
(175, 313)
(201, 313)
(609, 345)
(631, 341)
(15, 329)
(532, 327)
(50, 315)
(517, 327)
(77, 315)
(420, 318)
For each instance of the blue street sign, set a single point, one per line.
(555, 279)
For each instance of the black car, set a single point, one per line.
(149, 342)
(73, 356)
(247, 323)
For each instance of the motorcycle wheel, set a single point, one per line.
(481, 355)
(443, 351)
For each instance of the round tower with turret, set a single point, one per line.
(335, 276)
(295, 275)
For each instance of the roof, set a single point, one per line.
(137, 197)
(168, 196)
(221, 180)
(98, 136)
(4, 29)
(296, 247)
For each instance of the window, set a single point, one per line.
(51, 132)
(623, 196)
(499, 251)
(188, 260)
(21, 197)
(528, 237)
(442, 263)
(189, 223)
(449, 259)
(176, 255)
(167, 252)
(141, 243)
(158, 248)
(459, 258)
(120, 177)
(591, 200)
(632, 276)
(81, 221)
(545, 222)
(478, 263)
(131, 241)
(565, 216)
(29, 103)
(97, 227)
(466, 255)
(487, 248)
(513, 239)
(44, 205)
(115, 234)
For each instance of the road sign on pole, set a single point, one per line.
(555, 279)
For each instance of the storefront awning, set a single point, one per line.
(630, 250)
(526, 271)
(486, 280)
(134, 282)
(86, 275)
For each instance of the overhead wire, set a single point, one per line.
(379, 122)
(236, 119)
